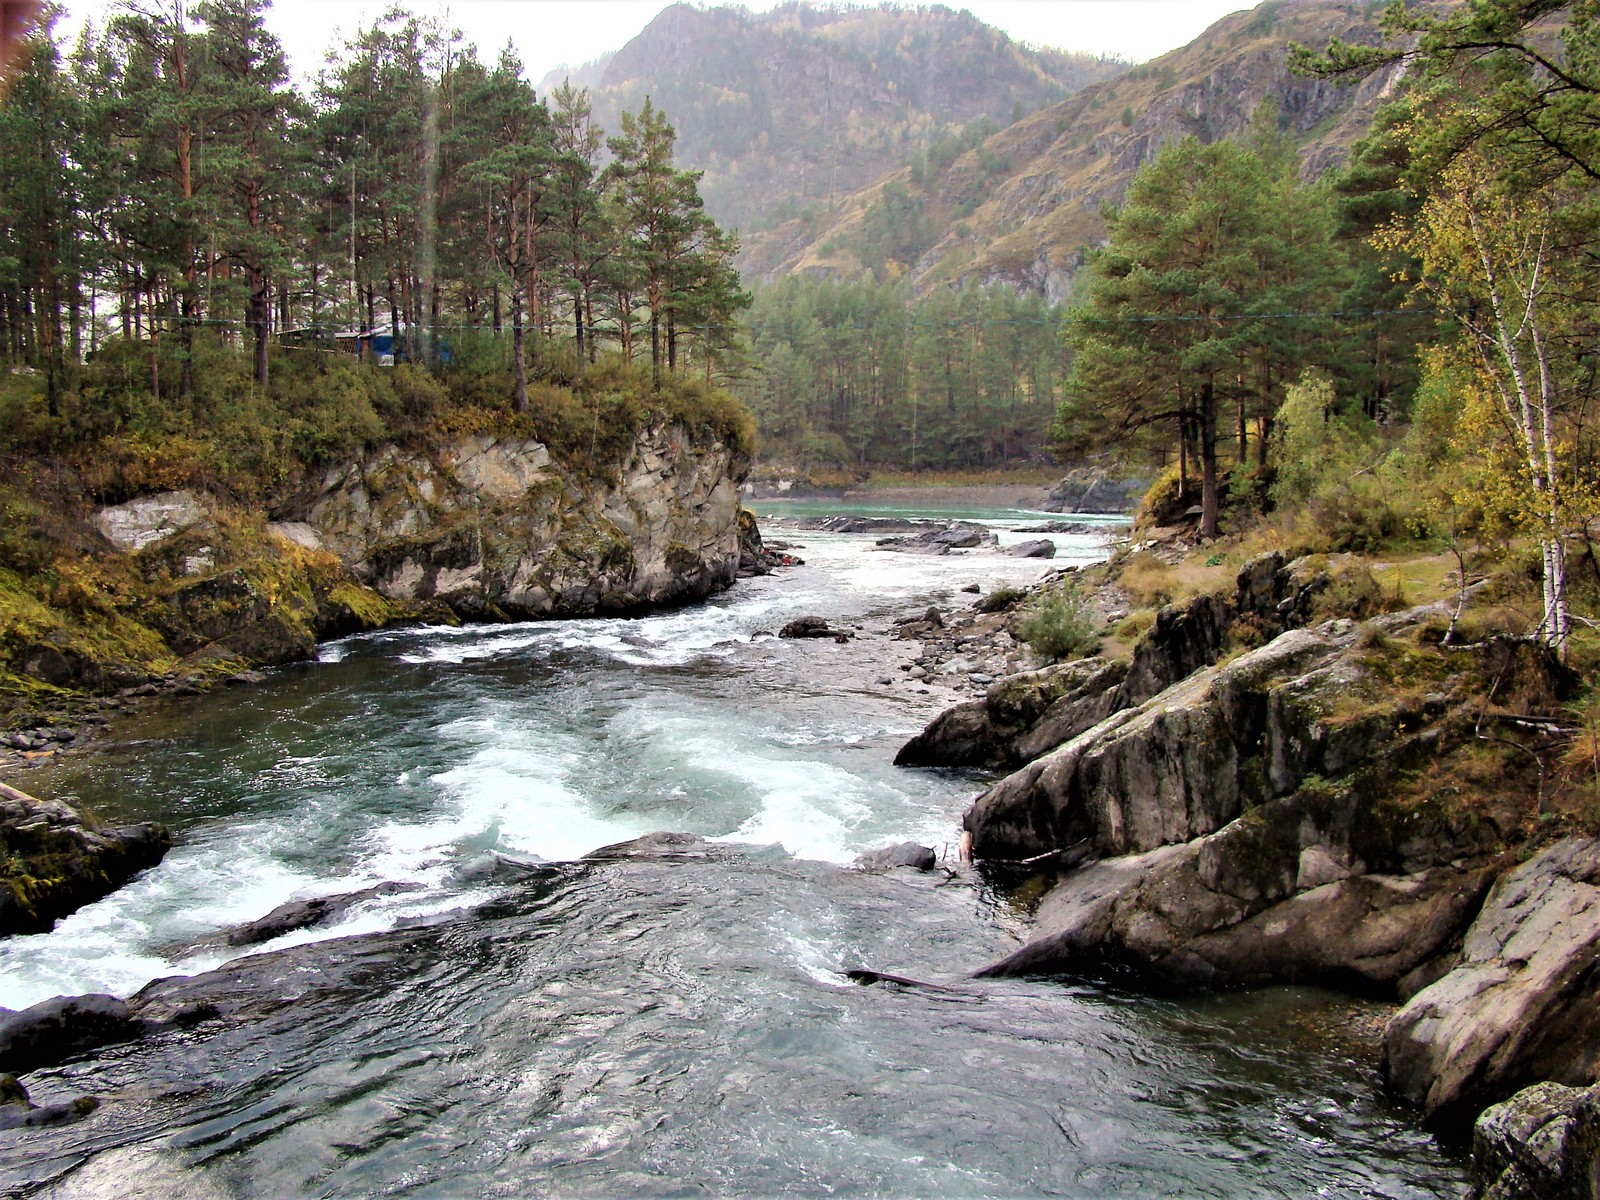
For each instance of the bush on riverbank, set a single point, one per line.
(1057, 625)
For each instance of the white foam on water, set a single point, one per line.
(137, 933)
(514, 792)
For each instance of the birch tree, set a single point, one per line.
(1492, 260)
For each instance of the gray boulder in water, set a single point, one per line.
(53, 1030)
(906, 854)
(1042, 548)
(307, 914)
(808, 627)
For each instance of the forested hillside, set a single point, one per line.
(1022, 204)
(857, 374)
(789, 111)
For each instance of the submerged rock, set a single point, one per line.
(307, 914)
(58, 860)
(1524, 1003)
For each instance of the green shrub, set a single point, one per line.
(1057, 625)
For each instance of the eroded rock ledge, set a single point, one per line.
(1271, 817)
(57, 860)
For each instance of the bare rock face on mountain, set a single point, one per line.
(802, 106)
(1024, 206)
(1524, 1003)
(495, 529)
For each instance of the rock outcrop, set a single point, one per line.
(1541, 1144)
(1020, 717)
(497, 529)
(941, 540)
(1089, 490)
(56, 860)
(1524, 1003)
(54, 1029)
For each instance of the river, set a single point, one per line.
(525, 1021)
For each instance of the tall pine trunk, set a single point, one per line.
(1210, 499)
(519, 394)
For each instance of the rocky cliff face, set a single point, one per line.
(498, 530)
(186, 588)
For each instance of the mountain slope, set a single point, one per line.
(1023, 205)
(802, 106)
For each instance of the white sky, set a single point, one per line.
(552, 33)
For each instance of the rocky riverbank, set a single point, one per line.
(57, 859)
(1347, 803)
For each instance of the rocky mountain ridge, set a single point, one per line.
(1022, 206)
(803, 105)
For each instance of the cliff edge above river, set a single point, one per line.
(177, 589)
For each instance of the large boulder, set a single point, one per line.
(1523, 1006)
(1541, 1144)
(1197, 754)
(143, 522)
(1020, 717)
(906, 854)
(56, 860)
(1036, 548)
(1308, 888)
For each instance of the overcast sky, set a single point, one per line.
(551, 33)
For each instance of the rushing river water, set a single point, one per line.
(521, 1022)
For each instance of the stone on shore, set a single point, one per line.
(1523, 1006)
